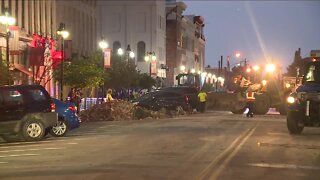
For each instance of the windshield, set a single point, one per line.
(312, 73)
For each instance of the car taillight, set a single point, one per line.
(72, 108)
(187, 99)
(53, 107)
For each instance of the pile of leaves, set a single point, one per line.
(123, 110)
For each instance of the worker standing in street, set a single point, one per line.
(250, 102)
(202, 99)
(109, 99)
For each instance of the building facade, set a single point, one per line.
(185, 42)
(139, 24)
(37, 22)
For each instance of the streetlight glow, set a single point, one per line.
(120, 51)
(256, 68)
(270, 68)
(154, 57)
(182, 68)
(103, 44)
(238, 54)
(146, 58)
(193, 71)
(131, 54)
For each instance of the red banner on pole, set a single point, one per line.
(153, 67)
(106, 58)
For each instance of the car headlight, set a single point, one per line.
(291, 100)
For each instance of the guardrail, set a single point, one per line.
(87, 103)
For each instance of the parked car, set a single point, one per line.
(67, 118)
(190, 92)
(162, 99)
(26, 111)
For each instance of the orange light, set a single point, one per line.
(238, 54)
(248, 70)
(314, 60)
(256, 68)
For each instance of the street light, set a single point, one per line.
(182, 68)
(130, 54)
(63, 34)
(103, 44)
(7, 20)
(120, 51)
(149, 57)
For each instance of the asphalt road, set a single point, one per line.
(214, 145)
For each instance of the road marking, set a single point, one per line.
(227, 155)
(22, 150)
(72, 143)
(283, 166)
(18, 155)
(36, 142)
(3, 162)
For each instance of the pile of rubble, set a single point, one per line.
(123, 110)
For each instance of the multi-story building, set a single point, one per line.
(40, 19)
(139, 24)
(185, 42)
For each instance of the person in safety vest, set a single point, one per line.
(109, 99)
(202, 99)
(250, 102)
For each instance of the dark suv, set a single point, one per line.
(25, 112)
(190, 92)
(162, 99)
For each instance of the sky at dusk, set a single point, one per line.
(260, 30)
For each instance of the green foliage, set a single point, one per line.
(83, 72)
(89, 72)
(4, 73)
(297, 63)
(146, 82)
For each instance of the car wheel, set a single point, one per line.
(60, 129)
(33, 130)
(294, 125)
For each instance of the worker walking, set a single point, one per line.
(250, 102)
(202, 99)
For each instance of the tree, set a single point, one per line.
(297, 63)
(3, 73)
(123, 74)
(146, 82)
(83, 72)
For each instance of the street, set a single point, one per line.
(213, 145)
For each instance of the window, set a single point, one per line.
(313, 73)
(12, 97)
(116, 46)
(141, 50)
(37, 95)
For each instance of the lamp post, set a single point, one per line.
(149, 57)
(7, 20)
(130, 54)
(103, 45)
(63, 34)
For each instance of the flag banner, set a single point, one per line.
(154, 67)
(107, 58)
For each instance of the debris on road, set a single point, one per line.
(123, 110)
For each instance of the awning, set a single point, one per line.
(21, 68)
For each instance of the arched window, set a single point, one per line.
(116, 46)
(141, 51)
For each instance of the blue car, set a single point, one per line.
(67, 118)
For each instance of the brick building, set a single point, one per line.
(185, 44)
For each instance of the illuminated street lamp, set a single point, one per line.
(7, 20)
(103, 44)
(238, 55)
(149, 57)
(182, 68)
(256, 68)
(193, 71)
(248, 70)
(63, 34)
(270, 68)
(120, 52)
